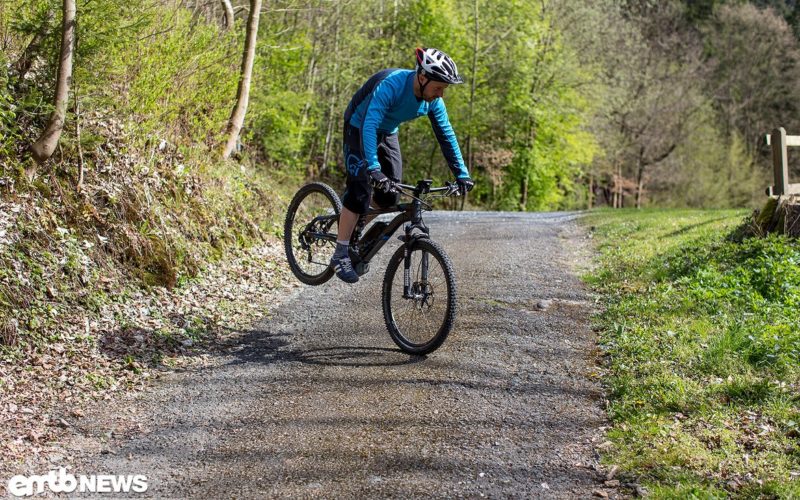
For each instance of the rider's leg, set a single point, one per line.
(347, 222)
(356, 201)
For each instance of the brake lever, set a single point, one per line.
(452, 189)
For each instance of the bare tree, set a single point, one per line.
(243, 92)
(474, 79)
(653, 71)
(226, 5)
(43, 148)
(756, 78)
(329, 130)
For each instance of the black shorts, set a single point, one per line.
(358, 193)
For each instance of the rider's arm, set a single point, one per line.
(379, 102)
(447, 138)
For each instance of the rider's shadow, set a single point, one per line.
(259, 346)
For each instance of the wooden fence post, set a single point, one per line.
(780, 162)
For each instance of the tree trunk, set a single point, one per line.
(243, 92)
(329, 131)
(523, 198)
(639, 181)
(229, 16)
(429, 173)
(531, 143)
(394, 29)
(310, 80)
(614, 203)
(639, 187)
(43, 148)
(470, 154)
(591, 191)
(380, 16)
(78, 139)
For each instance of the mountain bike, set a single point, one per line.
(419, 286)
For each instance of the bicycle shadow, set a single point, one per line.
(356, 356)
(265, 347)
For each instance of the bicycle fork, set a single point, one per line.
(408, 289)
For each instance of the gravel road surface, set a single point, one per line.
(316, 401)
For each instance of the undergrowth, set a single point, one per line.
(135, 194)
(701, 336)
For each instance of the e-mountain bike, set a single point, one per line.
(419, 287)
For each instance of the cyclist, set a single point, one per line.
(372, 150)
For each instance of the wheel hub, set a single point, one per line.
(423, 295)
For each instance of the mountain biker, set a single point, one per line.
(372, 150)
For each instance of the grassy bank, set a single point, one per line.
(701, 337)
(135, 246)
(163, 252)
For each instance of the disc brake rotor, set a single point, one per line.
(423, 295)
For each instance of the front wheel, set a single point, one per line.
(419, 306)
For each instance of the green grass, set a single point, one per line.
(701, 337)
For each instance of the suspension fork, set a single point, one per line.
(408, 293)
(407, 273)
(410, 239)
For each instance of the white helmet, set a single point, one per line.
(436, 65)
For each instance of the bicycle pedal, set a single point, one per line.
(362, 268)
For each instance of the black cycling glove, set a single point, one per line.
(465, 185)
(380, 181)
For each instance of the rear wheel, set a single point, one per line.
(420, 321)
(309, 232)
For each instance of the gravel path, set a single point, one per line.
(318, 402)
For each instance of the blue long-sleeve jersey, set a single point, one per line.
(385, 101)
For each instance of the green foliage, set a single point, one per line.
(179, 79)
(24, 99)
(551, 83)
(278, 127)
(282, 112)
(8, 116)
(431, 23)
(702, 335)
(705, 175)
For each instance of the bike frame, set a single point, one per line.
(409, 213)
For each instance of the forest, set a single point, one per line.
(565, 105)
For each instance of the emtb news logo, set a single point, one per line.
(62, 482)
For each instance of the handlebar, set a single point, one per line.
(450, 189)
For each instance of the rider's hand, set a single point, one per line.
(380, 181)
(465, 184)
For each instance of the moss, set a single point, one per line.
(40, 185)
(764, 216)
(159, 271)
(95, 300)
